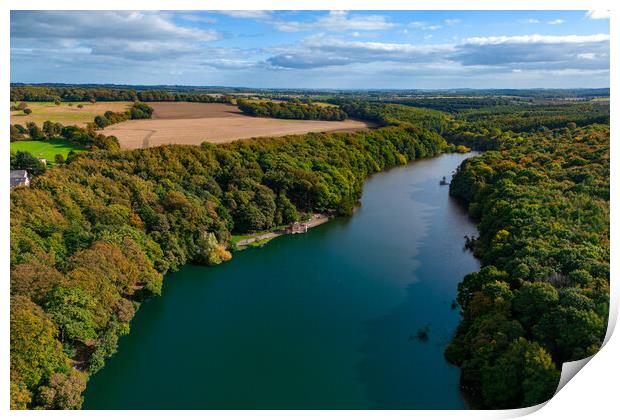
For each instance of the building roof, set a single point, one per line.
(18, 177)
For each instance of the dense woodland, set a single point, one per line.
(542, 296)
(91, 240)
(291, 110)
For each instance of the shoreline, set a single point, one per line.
(261, 238)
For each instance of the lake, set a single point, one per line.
(323, 320)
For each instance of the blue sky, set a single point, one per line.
(314, 49)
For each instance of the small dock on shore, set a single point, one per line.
(294, 228)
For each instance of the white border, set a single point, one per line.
(591, 393)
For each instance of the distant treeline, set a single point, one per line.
(454, 104)
(78, 94)
(291, 110)
(393, 114)
(91, 240)
(542, 296)
(349, 94)
(526, 117)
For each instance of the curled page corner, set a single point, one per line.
(612, 316)
(569, 370)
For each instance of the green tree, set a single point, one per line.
(524, 375)
(72, 310)
(532, 300)
(101, 121)
(286, 211)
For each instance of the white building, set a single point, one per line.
(19, 177)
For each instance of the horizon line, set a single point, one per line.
(307, 88)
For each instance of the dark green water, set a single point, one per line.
(325, 320)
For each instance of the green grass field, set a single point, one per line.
(45, 149)
(256, 244)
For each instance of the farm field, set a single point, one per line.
(45, 149)
(65, 114)
(194, 123)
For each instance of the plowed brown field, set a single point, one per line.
(194, 123)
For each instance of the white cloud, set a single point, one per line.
(247, 14)
(337, 20)
(231, 64)
(537, 39)
(424, 26)
(555, 22)
(451, 22)
(529, 21)
(197, 18)
(80, 26)
(598, 14)
(587, 56)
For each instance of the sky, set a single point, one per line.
(314, 49)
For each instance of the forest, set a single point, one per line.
(542, 296)
(291, 110)
(91, 239)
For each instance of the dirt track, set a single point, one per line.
(194, 123)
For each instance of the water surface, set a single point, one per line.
(324, 320)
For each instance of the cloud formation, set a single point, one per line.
(101, 25)
(335, 21)
(248, 14)
(424, 25)
(331, 51)
(303, 48)
(542, 51)
(117, 35)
